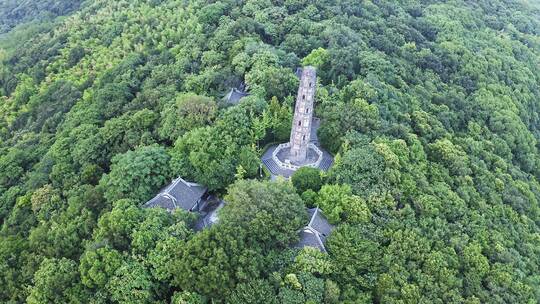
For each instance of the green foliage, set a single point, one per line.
(259, 217)
(45, 202)
(302, 288)
(98, 266)
(351, 112)
(307, 178)
(162, 255)
(312, 287)
(187, 297)
(317, 58)
(431, 109)
(355, 257)
(249, 160)
(45, 110)
(210, 155)
(332, 292)
(271, 212)
(53, 281)
(70, 223)
(269, 80)
(187, 112)
(115, 227)
(204, 265)
(310, 198)
(13, 13)
(137, 174)
(451, 156)
(364, 169)
(131, 283)
(279, 117)
(312, 260)
(158, 225)
(258, 291)
(339, 204)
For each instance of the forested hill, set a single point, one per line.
(431, 108)
(16, 12)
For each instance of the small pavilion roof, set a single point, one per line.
(319, 223)
(316, 232)
(310, 238)
(235, 95)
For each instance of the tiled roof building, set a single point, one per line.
(179, 194)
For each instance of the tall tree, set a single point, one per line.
(137, 174)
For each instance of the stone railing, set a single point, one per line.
(278, 161)
(290, 166)
(319, 153)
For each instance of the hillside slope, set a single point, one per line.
(432, 110)
(16, 12)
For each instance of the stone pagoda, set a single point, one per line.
(303, 115)
(303, 148)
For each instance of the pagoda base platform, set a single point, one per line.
(275, 159)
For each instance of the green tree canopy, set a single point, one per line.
(54, 281)
(307, 178)
(137, 174)
(431, 109)
(271, 213)
(187, 112)
(317, 58)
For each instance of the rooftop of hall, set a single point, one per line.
(178, 194)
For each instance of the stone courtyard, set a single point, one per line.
(312, 156)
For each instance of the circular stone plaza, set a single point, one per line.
(303, 149)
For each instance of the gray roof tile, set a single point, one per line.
(316, 232)
(310, 238)
(210, 217)
(161, 200)
(319, 223)
(235, 95)
(179, 194)
(186, 194)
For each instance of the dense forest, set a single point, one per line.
(431, 109)
(15, 12)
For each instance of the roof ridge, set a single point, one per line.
(172, 185)
(148, 202)
(317, 235)
(311, 229)
(171, 197)
(313, 216)
(320, 241)
(190, 184)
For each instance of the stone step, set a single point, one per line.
(271, 165)
(326, 163)
(266, 158)
(275, 169)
